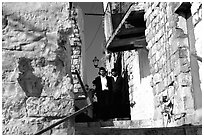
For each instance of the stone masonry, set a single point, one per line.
(135, 63)
(76, 46)
(169, 54)
(37, 87)
(174, 81)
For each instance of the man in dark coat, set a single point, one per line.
(103, 88)
(118, 85)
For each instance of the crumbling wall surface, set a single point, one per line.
(36, 68)
(169, 55)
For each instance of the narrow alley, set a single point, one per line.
(102, 68)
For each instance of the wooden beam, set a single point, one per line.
(129, 31)
(127, 44)
(118, 29)
(120, 25)
(128, 41)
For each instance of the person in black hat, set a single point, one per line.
(103, 88)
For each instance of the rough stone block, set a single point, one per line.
(8, 61)
(196, 18)
(189, 118)
(13, 107)
(156, 78)
(161, 86)
(161, 62)
(187, 97)
(157, 113)
(197, 30)
(154, 49)
(19, 127)
(157, 102)
(49, 107)
(156, 68)
(75, 56)
(183, 53)
(178, 104)
(165, 81)
(198, 117)
(195, 6)
(76, 52)
(52, 38)
(36, 53)
(184, 79)
(171, 91)
(75, 61)
(77, 86)
(168, 67)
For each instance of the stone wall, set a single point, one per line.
(77, 47)
(131, 61)
(172, 33)
(136, 64)
(169, 54)
(37, 87)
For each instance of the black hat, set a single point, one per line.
(114, 70)
(102, 68)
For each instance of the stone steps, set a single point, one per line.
(130, 127)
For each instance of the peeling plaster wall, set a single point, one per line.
(37, 87)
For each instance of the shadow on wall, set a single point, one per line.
(30, 83)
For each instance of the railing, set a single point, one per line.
(64, 119)
(82, 86)
(88, 107)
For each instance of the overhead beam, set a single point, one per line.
(127, 44)
(131, 9)
(120, 25)
(131, 31)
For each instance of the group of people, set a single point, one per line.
(108, 91)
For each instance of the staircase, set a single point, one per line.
(121, 127)
(129, 127)
(85, 125)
